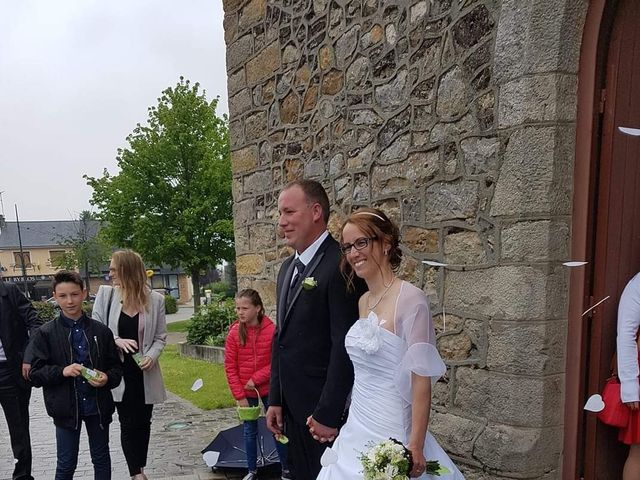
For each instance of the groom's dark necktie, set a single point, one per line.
(297, 278)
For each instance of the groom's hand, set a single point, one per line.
(274, 420)
(320, 432)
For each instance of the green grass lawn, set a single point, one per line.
(181, 326)
(179, 373)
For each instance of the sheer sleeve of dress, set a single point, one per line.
(415, 327)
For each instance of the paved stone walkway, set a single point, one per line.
(173, 454)
(184, 312)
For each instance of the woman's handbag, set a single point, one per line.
(615, 413)
(109, 302)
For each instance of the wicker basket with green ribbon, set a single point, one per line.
(246, 414)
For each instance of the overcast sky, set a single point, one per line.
(75, 78)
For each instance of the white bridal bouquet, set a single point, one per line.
(391, 460)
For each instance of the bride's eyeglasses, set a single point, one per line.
(359, 244)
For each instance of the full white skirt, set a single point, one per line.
(377, 411)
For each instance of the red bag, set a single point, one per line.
(615, 413)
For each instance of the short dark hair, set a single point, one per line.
(67, 276)
(315, 193)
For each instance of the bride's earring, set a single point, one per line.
(386, 252)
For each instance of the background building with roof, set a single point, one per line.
(40, 248)
(43, 243)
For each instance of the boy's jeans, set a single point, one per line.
(68, 442)
(250, 429)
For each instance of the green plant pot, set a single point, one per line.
(248, 413)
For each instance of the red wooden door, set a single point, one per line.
(616, 256)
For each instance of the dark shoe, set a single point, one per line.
(286, 475)
(250, 476)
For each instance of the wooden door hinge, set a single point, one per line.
(603, 100)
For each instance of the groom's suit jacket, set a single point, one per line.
(311, 373)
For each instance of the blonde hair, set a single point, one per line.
(133, 278)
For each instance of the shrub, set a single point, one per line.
(46, 311)
(87, 308)
(222, 289)
(170, 304)
(211, 320)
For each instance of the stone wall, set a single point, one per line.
(457, 118)
(202, 352)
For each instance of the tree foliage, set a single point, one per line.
(85, 248)
(172, 200)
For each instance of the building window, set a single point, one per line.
(56, 257)
(18, 260)
(157, 281)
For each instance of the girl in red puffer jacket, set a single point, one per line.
(247, 363)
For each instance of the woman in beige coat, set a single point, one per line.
(136, 316)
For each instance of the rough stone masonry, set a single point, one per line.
(457, 118)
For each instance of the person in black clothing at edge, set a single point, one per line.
(75, 360)
(18, 320)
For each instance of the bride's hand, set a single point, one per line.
(419, 462)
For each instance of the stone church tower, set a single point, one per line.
(478, 125)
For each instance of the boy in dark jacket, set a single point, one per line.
(75, 360)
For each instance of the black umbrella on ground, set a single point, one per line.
(229, 445)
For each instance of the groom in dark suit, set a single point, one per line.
(311, 374)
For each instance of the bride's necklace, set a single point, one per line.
(371, 307)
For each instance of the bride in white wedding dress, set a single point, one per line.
(392, 348)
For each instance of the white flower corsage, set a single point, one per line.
(368, 333)
(309, 283)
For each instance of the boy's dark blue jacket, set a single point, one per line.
(51, 350)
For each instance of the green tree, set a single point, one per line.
(85, 248)
(172, 199)
(231, 275)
